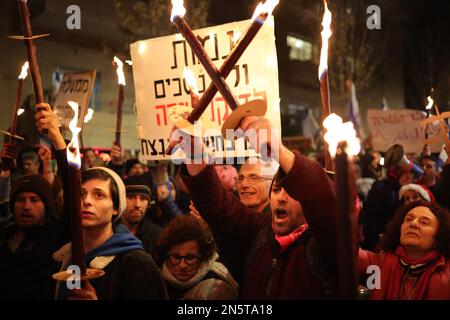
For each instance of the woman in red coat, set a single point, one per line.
(414, 264)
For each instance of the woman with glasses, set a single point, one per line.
(190, 267)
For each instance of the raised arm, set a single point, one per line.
(227, 216)
(305, 181)
(47, 170)
(8, 162)
(46, 119)
(117, 160)
(308, 183)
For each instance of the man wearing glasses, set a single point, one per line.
(252, 186)
(253, 183)
(290, 253)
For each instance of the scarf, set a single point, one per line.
(286, 240)
(206, 266)
(423, 268)
(120, 242)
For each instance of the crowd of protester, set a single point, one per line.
(263, 230)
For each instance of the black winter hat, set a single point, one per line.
(138, 185)
(129, 164)
(36, 184)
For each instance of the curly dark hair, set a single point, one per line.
(186, 228)
(391, 238)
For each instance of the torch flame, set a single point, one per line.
(20, 111)
(190, 80)
(73, 148)
(326, 34)
(337, 131)
(24, 72)
(88, 116)
(430, 103)
(178, 9)
(120, 74)
(267, 7)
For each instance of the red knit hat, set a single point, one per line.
(423, 191)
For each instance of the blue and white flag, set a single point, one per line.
(310, 126)
(353, 110)
(56, 79)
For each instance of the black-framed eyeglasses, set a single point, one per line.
(190, 259)
(252, 179)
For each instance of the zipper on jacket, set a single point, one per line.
(269, 285)
(274, 262)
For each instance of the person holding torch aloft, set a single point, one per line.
(108, 245)
(291, 253)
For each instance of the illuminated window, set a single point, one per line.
(300, 49)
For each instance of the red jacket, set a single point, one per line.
(269, 274)
(438, 286)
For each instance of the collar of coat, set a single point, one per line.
(64, 256)
(211, 265)
(276, 248)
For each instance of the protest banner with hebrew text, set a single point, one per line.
(75, 87)
(158, 66)
(401, 126)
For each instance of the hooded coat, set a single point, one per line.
(130, 273)
(213, 281)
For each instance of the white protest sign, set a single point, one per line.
(401, 126)
(158, 66)
(75, 87)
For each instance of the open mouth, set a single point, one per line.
(280, 214)
(247, 194)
